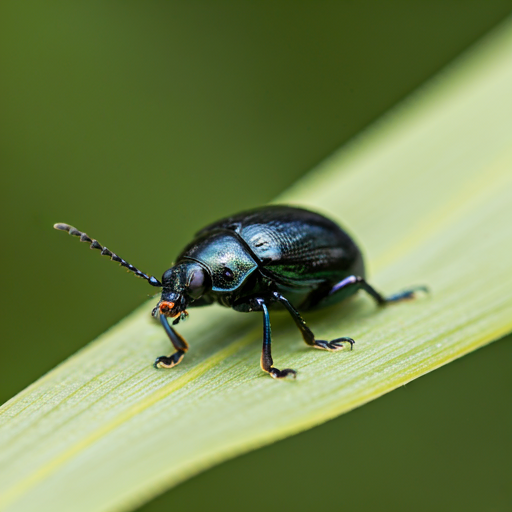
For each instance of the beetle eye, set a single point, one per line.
(228, 275)
(196, 283)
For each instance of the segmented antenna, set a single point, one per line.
(106, 252)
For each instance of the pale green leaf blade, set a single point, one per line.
(427, 192)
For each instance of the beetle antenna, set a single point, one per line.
(106, 252)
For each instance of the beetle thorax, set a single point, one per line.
(225, 257)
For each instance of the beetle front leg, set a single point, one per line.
(307, 334)
(179, 344)
(267, 364)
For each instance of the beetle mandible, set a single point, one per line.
(273, 256)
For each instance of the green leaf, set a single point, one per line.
(427, 192)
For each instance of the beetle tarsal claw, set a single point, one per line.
(334, 345)
(169, 361)
(287, 373)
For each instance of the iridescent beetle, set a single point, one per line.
(274, 256)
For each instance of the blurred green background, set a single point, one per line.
(139, 122)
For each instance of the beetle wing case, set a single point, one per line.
(298, 246)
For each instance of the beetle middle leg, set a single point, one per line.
(307, 334)
(179, 344)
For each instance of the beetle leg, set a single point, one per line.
(360, 283)
(267, 364)
(307, 334)
(179, 344)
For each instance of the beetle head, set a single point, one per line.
(182, 284)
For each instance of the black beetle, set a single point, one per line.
(274, 256)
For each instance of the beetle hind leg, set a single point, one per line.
(352, 284)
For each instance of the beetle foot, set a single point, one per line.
(407, 294)
(287, 373)
(334, 345)
(169, 361)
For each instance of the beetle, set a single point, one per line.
(270, 257)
